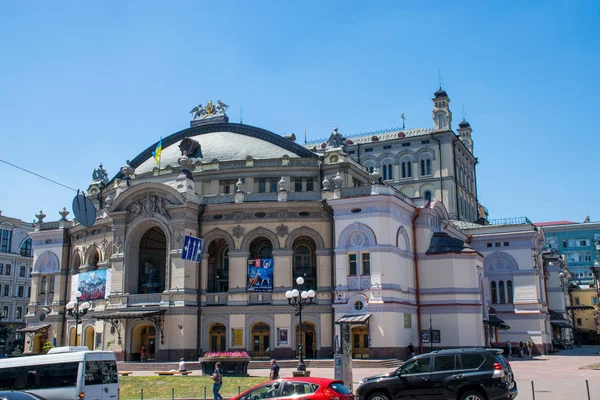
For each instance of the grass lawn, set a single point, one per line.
(594, 366)
(159, 387)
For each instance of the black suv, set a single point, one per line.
(457, 374)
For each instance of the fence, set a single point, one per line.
(204, 394)
(559, 389)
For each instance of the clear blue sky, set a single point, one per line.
(89, 82)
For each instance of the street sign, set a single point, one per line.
(192, 248)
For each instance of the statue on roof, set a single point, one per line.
(210, 110)
(336, 139)
(100, 174)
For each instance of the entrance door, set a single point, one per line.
(261, 340)
(360, 342)
(148, 344)
(308, 340)
(217, 338)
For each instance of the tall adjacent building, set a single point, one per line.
(15, 278)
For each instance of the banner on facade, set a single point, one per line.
(282, 337)
(260, 275)
(93, 285)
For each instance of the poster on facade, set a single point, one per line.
(282, 337)
(93, 285)
(407, 321)
(425, 336)
(436, 337)
(260, 275)
(237, 337)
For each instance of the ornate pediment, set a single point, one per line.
(149, 205)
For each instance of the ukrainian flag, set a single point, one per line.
(157, 151)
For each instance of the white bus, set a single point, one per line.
(65, 373)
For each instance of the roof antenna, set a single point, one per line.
(464, 115)
(241, 114)
(304, 135)
(403, 120)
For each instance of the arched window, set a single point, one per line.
(427, 195)
(501, 292)
(509, 291)
(441, 122)
(26, 248)
(305, 264)
(406, 169)
(493, 292)
(218, 266)
(425, 166)
(387, 172)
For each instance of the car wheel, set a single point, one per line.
(378, 396)
(472, 395)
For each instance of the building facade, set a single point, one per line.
(15, 278)
(382, 250)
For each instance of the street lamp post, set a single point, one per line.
(77, 310)
(299, 300)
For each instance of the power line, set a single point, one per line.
(38, 175)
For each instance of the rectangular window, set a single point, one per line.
(1, 269)
(594, 300)
(310, 185)
(497, 244)
(21, 291)
(19, 312)
(387, 147)
(488, 244)
(352, 264)
(405, 144)
(578, 321)
(583, 243)
(298, 185)
(506, 244)
(366, 263)
(28, 291)
(370, 149)
(6, 290)
(262, 186)
(5, 312)
(424, 141)
(7, 269)
(5, 240)
(273, 185)
(576, 301)
(22, 271)
(564, 243)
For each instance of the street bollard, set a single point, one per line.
(204, 392)
(587, 386)
(532, 390)
(142, 394)
(172, 393)
(239, 390)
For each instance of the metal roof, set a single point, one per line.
(34, 328)
(126, 314)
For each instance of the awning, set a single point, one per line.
(112, 314)
(357, 319)
(34, 328)
(561, 324)
(496, 322)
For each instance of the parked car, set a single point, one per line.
(458, 374)
(306, 388)
(562, 344)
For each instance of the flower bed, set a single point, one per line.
(233, 363)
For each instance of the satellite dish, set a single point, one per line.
(84, 210)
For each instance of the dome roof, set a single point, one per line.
(464, 124)
(221, 141)
(440, 93)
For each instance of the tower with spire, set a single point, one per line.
(441, 114)
(464, 134)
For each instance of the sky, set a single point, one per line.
(83, 83)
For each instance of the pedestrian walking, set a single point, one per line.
(274, 374)
(509, 349)
(217, 378)
(411, 349)
(529, 349)
(521, 349)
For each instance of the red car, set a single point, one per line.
(299, 389)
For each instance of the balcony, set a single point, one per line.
(216, 299)
(359, 282)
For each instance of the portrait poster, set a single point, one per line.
(260, 275)
(92, 285)
(282, 337)
(435, 336)
(407, 321)
(425, 336)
